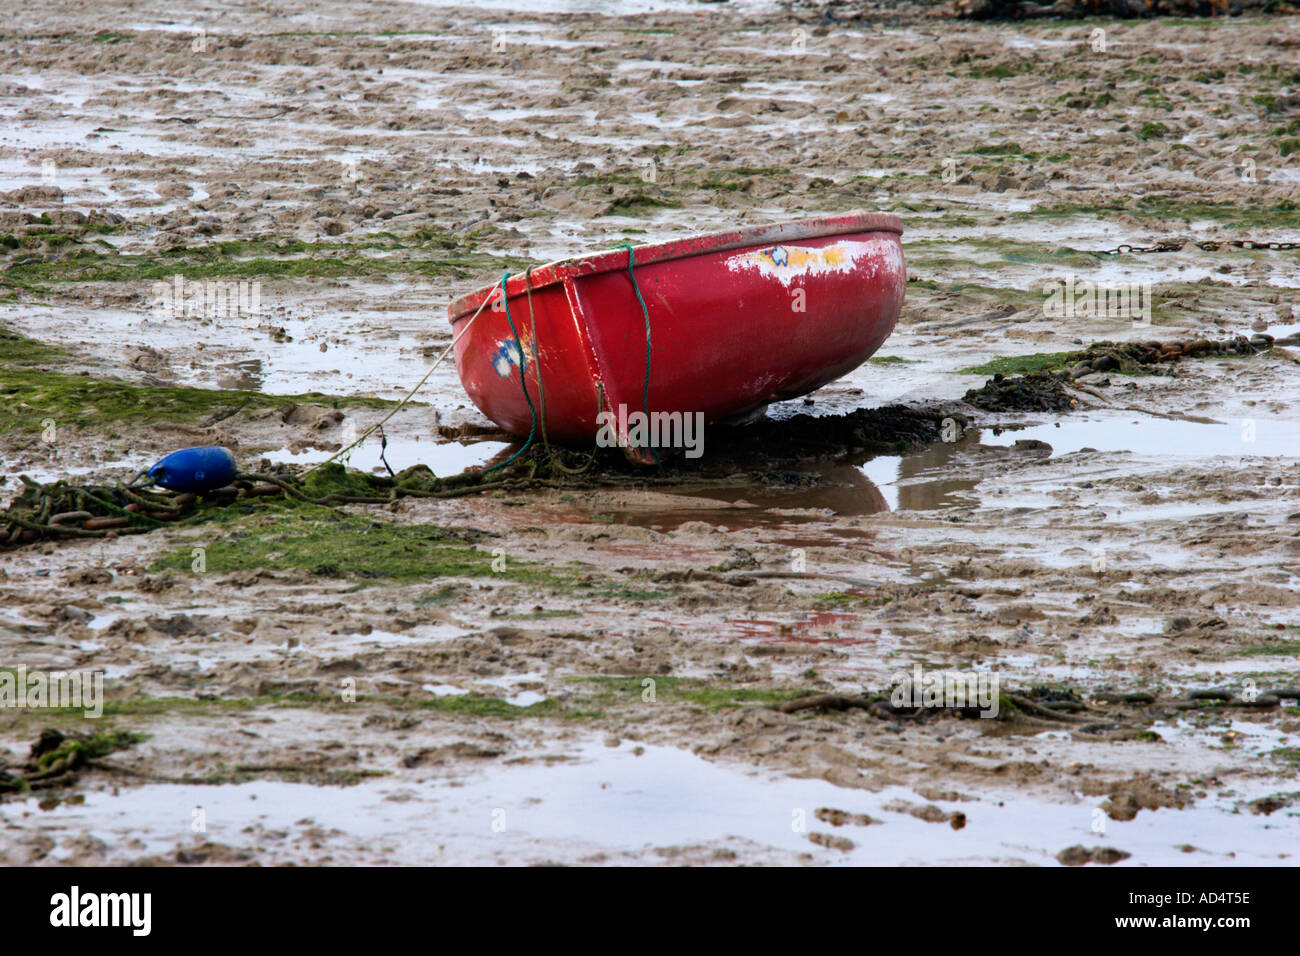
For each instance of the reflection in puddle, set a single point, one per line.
(941, 475)
(442, 458)
(923, 481)
(859, 487)
(246, 375)
(637, 798)
(1285, 330)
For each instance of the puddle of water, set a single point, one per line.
(443, 458)
(1283, 331)
(421, 634)
(526, 698)
(367, 351)
(1264, 437)
(936, 477)
(825, 536)
(923, 481)
(843, 489)
(611, 799)
(990, 267)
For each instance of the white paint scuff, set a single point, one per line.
(785, 263)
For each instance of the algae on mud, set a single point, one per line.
(33, 395)
(19, 350)
(33, 391)
(609, 691)
(377, 254)
(335, 544)
(55, 757)
(1124, 358)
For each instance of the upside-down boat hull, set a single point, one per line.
(737, 320)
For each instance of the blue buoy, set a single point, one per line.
(195, 469)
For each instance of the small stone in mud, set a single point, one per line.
(1102, 617)
(831, 842)
(1123, 808)
(70, 612)
(1079, 855)
(213, 853)
(839, 818)
(929, 813)
(462, 749)
(89, 577)
(1267, 805)
(177, 625)
(1107, 855)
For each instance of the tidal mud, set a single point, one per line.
(382, 676)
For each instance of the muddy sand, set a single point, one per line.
(606, 671)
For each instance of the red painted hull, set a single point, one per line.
(738, 319)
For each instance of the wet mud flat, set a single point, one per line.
(693, 664)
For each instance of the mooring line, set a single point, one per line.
(645, 392)
(418, 385)
(523, 383)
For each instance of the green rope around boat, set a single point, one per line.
(523, 384)
(645, 392)
(519, 346)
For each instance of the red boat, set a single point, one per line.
(731, 321)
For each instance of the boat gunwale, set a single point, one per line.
(553, 273)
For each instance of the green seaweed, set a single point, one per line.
(1023, 364)
(424, 251)
(1290, 755)
(18, 350)
(29, 396)
(611, 690)
(76, 749)
(335, 544)
(1285, 649)
(443, 595)
(999, 71)
(476, 706)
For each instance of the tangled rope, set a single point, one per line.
(65, 510)
(409, 395)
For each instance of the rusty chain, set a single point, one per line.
(1209, 245)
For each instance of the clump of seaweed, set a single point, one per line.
(56, 758)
